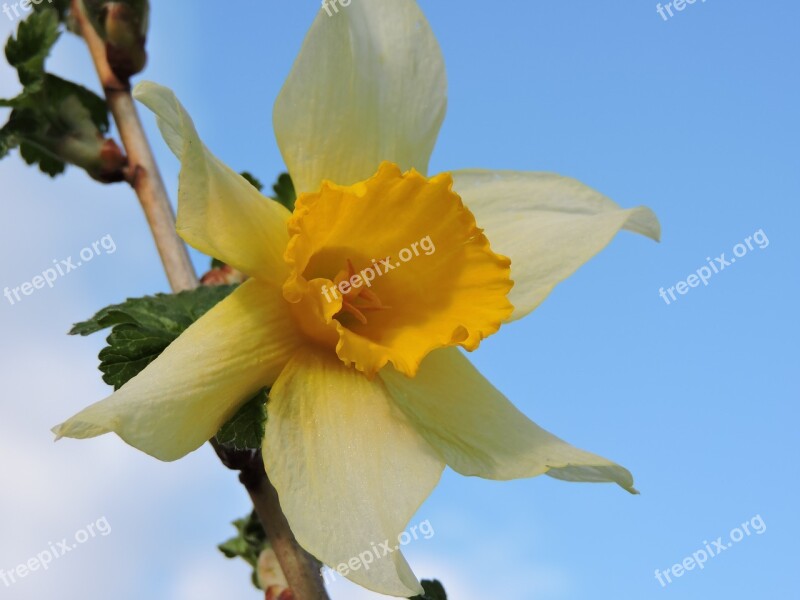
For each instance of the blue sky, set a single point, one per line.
(695, 117)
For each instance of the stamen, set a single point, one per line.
(347, 307)
(357, 300)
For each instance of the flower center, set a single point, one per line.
(391, 268)
(356, 301)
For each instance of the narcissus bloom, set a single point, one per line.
(370, 396)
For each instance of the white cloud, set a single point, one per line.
(207, 577)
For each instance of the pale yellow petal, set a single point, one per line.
(349, 469)
(546, 224)
(368, 85)
(479, 432)
(219, 212)
(183, 397)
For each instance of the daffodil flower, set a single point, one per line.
(365, 410)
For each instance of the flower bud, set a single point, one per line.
(125, 29)
(82, 144)
(223, 275)
(270, 576)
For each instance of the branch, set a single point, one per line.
(301, 570)
(143, 175)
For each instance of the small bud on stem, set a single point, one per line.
(125, 37)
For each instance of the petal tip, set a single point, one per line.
(643, 220)
(143, 88)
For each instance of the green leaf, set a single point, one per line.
(130, 349)
(58, 90)
(142, 328)
(253, 180)
(37, 155)
(8, 141)
(248, 544)
(173, 312)
(29, 50)
(62, 105)
(433, 591)
(283, 188)
(284, 191)
(55, 122)
(245, 431)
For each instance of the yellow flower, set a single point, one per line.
(370, 396)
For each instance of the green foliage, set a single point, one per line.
(283, 188)
(284, 191)
(249, 542)
(60, 90)
(27, 52)
(433, 591)
(34, 154)
(47, 96)
(142, 328)
(53, 121)
(8, 141)
(245, 431)
(252, 180)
